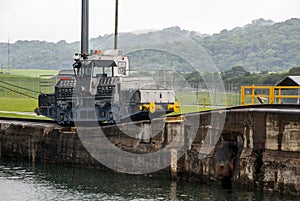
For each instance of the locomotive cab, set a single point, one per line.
(111, 63)
(97, 65)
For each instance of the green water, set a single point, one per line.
(22, 181)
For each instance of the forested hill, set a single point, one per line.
(260, 46)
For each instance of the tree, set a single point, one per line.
(234, 72)
(294, 71)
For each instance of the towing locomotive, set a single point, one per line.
(102, 90)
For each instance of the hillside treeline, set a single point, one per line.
(258, 47)
(238, 76)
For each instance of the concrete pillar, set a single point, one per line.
(173, 165)
(173, 190)
(187, 136)
(146, 133)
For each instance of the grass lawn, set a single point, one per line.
(23, 116)
(208, 98)
(17, 86)
(17, 104)
(33, 73)
(23, 83)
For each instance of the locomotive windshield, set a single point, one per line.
(103, 68)
(96, 68)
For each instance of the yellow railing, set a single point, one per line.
(251, 95)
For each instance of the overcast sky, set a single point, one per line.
(54, 20)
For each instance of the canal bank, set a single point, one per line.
(254, 146)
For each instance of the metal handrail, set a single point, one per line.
(273, 94)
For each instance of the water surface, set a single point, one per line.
(23, 181)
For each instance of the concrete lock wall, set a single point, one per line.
(260, 147)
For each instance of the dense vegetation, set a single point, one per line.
(238, 76)
(260, 46)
